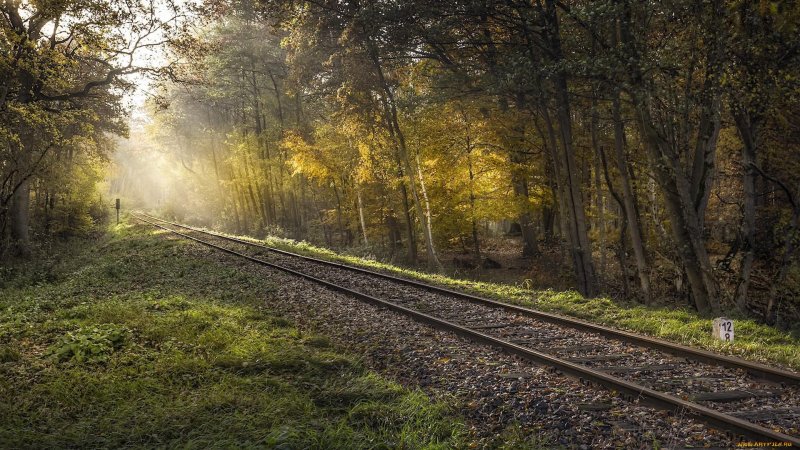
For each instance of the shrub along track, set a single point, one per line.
(716, 389)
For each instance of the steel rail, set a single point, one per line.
(756, 369)
(632, 390)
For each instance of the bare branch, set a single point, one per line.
(784, 188)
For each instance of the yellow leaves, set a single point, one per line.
(309, 166)
(338, 150)
(307, 159)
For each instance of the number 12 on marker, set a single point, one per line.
(723, 329)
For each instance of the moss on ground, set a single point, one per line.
(134, 342)
(754, 341)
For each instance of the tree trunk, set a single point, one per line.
(245, 225)
(339, 221)
(705, 158)
(521, 193)
(476, 244)
(580, 246)
(629, 202)
(215, 163)
(393, 232)
(412, 238)
(428, 223)
(558, 181)
(790, 247)
(685, 224)
(301, 213)
(254, 187)
(20, 220)
(748, 130)
(521, 196)
(623, 260)
(252, 204)
(278, 100)
(361, 216)
(600, 220)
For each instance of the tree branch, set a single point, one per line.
(88, 87)
(784, 188)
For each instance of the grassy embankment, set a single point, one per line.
(134, 341)
(753, 341)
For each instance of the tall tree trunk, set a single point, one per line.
(243, 207)
(432, 259)
(236, 214)
(393, 232)
(215, 162)
(325, 229)
(530, 246)
(748, 131)
(339, 221)
(518, 179)
(361, 216)
(519, 183)
(238, 210)
(705, 160)
(301, 215)
(790, 247)
(629, 202)
(548, 217)
(252, 203)
(559, 183)
(19, 212)
(623, 260)
(600, 220)
(428, 220)
(705, 151)
(268, 197)
(278, 99)
(580, 246)
(254, 188)
(476, 244)
(412, 237)
(20, 219)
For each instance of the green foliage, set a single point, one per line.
(89, 344)
(146, 343)
(8, 354)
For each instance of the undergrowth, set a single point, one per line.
(134, 342)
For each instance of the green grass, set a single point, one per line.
(134, 342)
(753, 340)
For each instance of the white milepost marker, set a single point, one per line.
(723, 329)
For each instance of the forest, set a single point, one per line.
(647, 150)
(400, 224)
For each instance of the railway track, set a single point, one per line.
(753, 400)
